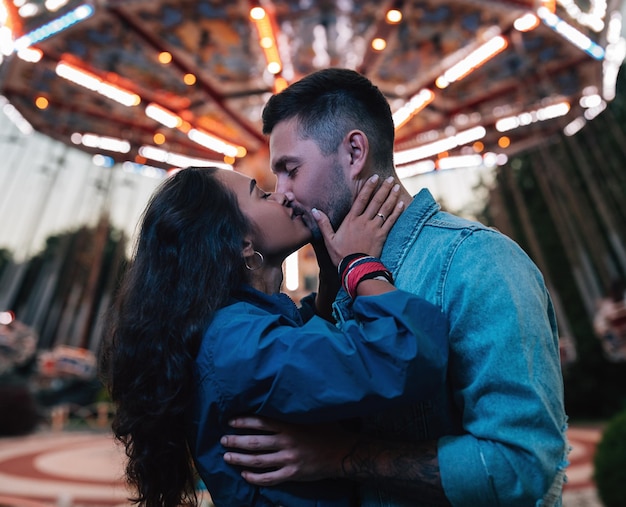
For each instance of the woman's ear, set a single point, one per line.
(357, 146)
(247, 249)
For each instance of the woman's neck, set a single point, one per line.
(267, 279)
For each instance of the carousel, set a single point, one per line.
(161, 84)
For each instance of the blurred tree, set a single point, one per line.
(67, 285)
(5, 258)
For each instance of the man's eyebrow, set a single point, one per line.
(252, 186)
(283, 161)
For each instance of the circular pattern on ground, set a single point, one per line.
(50, 469)
(71, 468)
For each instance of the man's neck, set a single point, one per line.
(405, 196)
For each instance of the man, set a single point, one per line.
(495, 434)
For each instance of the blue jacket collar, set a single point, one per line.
(278, 303)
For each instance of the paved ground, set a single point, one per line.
(62, 469)
(580, 490)
(84, 469)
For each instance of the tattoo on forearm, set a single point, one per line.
(410, 470)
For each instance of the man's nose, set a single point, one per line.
(280, 198)
(282, 185)
(290, 197)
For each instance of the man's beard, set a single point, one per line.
(337, 203)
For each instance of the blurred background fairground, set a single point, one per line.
(512, 113)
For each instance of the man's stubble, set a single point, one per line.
(335, 199)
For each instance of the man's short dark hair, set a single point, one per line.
(331, 102)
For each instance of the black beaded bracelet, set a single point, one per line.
(386, 275)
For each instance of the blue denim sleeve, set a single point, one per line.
(396, 350)
(506, 377)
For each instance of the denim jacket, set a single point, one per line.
(499, 420)
(259, 356)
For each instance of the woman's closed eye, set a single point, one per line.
(262, 193)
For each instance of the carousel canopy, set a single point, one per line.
(179, 82)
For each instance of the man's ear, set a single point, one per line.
(357, 146)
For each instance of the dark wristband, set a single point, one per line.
(345, 262)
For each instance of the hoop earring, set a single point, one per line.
(260, 262)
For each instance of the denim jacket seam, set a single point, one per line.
(450, 256)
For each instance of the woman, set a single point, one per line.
(201, 333)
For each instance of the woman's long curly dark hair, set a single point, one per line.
(186, 261)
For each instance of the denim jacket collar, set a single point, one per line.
(407, 228)
(398, 244)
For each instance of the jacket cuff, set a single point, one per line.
(465, 477)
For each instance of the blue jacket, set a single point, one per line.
(499, 418)
(259, 356)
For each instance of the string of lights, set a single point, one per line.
(486, 46)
